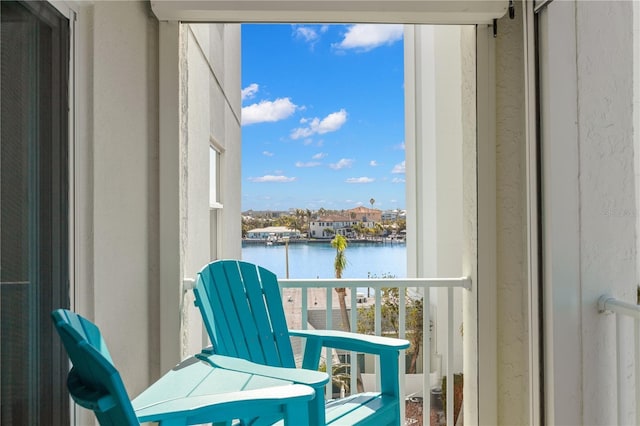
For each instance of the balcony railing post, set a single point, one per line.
(402, 325)
(378, 331)
(426, 356)
(450, 383)
(305, 308)
(329, 351)
(353, 357)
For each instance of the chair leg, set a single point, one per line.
(317, 409)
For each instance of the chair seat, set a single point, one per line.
(369, 408)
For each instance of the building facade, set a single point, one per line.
(332, 225)
(274, 232)
(364, 214)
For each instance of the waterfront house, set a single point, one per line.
(274, 232)
(522, 173)
(330, 225)
(391, 215)
(364, 214)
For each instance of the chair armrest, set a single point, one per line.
(352, 341)
(387, 348)
(222, 407)
(307, 377)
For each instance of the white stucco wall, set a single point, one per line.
(511, 243)
(607, 233)
(636, 121)
(116, 199)
(469, 249)
(211, 92)
(118, 193)
(590, 238)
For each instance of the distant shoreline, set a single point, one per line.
(263, 241)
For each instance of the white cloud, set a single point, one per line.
(319, 156)
(398, 168)
(362, 179)
(330, 123)
(308, 164)
(268, 111)
(397, 180)
(365, 37)
(250, 91)
(344, 162)
(373, 163)
(267, 153)
(272, 178)
(308, 34)
(400, 146)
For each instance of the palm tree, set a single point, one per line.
(379, 229)
(308, 212)
(372, 201)
(340, 262)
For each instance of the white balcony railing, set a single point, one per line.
(628, 397)
(420, 286)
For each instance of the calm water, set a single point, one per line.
(316, 260)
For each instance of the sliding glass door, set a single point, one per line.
(34, 270)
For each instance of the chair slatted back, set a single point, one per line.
(94, 383)
(241, 306)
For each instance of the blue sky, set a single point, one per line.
(322, 116)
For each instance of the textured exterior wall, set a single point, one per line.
(589, 217)
(117, 172)
(607, 219)
(469, 216)
(120, 91)
(512, 285)
(210, 91)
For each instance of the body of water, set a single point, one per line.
(315, 260)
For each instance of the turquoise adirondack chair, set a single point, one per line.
(194, 392)
(242, 310)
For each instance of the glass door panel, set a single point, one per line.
(34, 268)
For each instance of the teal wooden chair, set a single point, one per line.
(194, 392)
(242, 310)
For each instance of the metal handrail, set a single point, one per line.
(610, 305)
(376, 283)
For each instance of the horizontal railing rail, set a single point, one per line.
(421, 285)
(624, 311)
